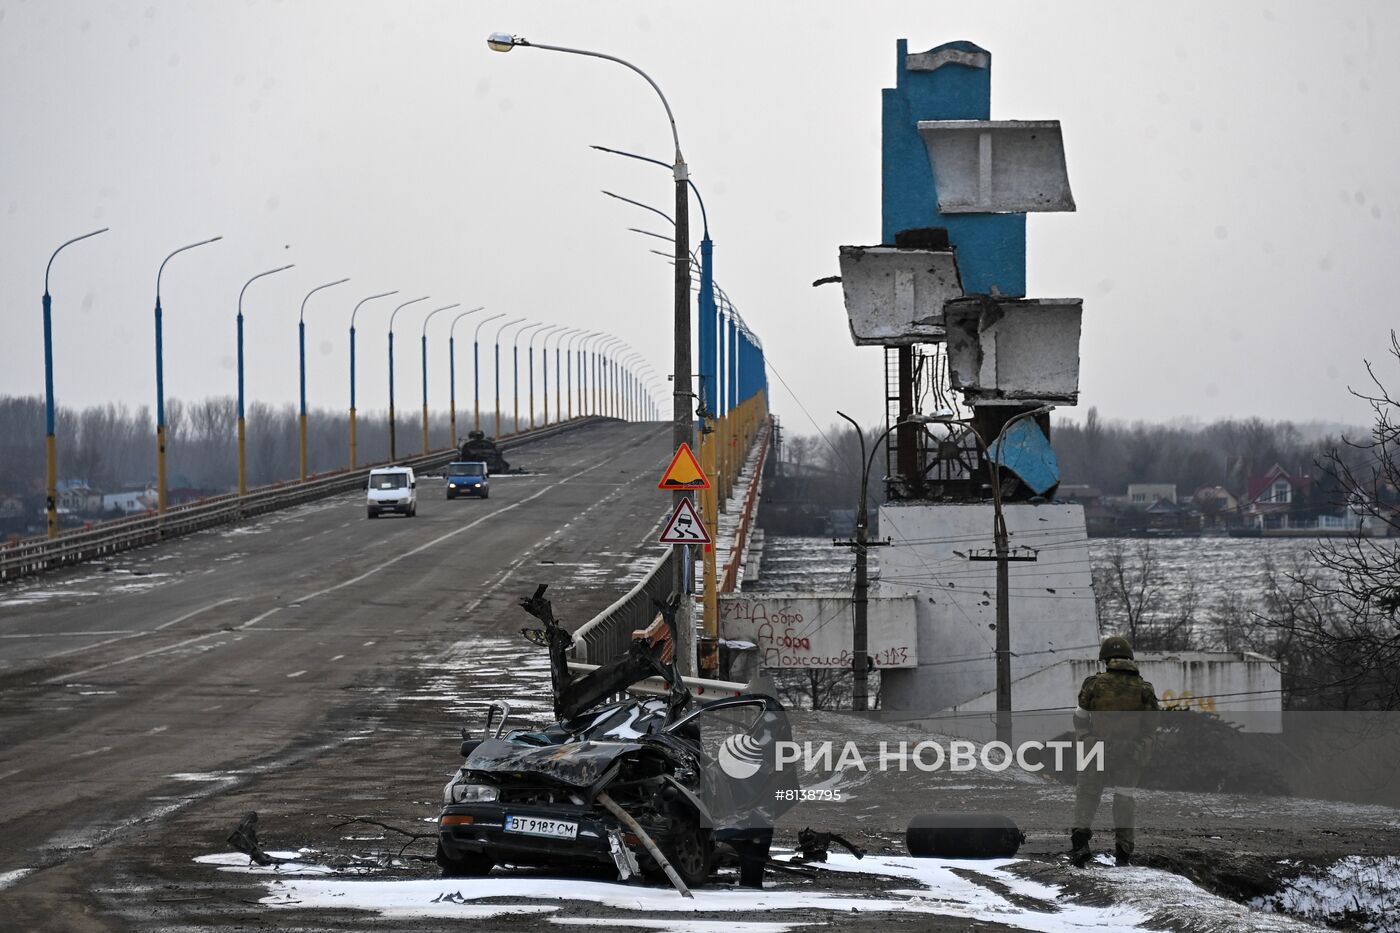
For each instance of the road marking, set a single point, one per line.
(10, 774)
(157, 730)
(296, 674)
(210, 709)
(449, 535)
(337, 657)
(367, 644)
(164, 625)
(10, 877)
(92, 751)
(63, 634)
(70, 678)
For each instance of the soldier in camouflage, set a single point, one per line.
(1107, 702)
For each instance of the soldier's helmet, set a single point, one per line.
(1115, 646)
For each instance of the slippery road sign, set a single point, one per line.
(685, 526)
(684, 472)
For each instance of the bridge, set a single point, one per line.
(148, 690)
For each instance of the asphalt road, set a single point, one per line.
(136, 690)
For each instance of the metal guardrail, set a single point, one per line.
(729, 578)
(606, 635)
(36, 555)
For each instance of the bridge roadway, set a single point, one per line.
(136, 691)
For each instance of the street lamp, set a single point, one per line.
(393, 426)
(160, 380)
(683, 431)
(607, 365)
(456, 304)
(301, 359)
(499, 331)
(544, 360)
(860, 661)
(1002, 554)
(353, 448)
(559, 373)
(570, 353)
(587, 355)
(50, 440)
(515, 373)
(476, 368)
(242, 429)
(452, 371)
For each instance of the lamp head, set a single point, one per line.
(503, 41)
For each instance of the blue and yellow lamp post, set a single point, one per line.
(452, 373)
(456, 304)
(354, 448)
(393, 426)
(515, 371)
(476, 369)
(160, 379)
(50, 438)
(500, 330)
(242, 426)
(301, 371)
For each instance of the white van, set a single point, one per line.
(392, 489)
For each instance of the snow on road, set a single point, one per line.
(988, 890)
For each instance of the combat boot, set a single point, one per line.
(1079, 853)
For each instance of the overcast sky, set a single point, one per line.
(1234, 167)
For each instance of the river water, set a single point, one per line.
(1216, 569)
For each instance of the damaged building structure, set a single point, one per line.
(972, 369)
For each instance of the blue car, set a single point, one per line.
(468, 478)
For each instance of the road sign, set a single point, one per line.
(685, 526)
(684, 472)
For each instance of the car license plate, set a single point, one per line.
(534, 826)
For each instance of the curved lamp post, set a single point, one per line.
(608, 372)
(499, 331)
(581, 354)
(860, 657)
(683, 432)
(559, 339)
(50, 439)
(515, 371)
(452, 372)
(160, 379)
(455, 304)
(301, 361)
(544, 360)
(569, 354)
(476, 367)
(353, 447)
(393, 427)
(1003, 557)
(242, 428)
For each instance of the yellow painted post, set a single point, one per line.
(242, 457)
(51, 458)
(452, 421)
(160, 469)
(425, 430)
(709, 498)
(353, 450)
(301, 429)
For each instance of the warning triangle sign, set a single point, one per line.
(685, 526)
(684, 472)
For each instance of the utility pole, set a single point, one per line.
(1004, 555)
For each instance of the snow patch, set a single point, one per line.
(1357, 889)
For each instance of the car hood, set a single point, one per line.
(579, 764)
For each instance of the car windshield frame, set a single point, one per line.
(379, 482)
(472, 468)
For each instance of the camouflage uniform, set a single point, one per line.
(1127, 742)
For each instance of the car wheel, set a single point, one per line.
(466, 865)
(690, 852)
(413, 511)
(486, 495)
(373, 513)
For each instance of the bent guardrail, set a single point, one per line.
(606, 635)
(36, 555)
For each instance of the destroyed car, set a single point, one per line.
(633, 784)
